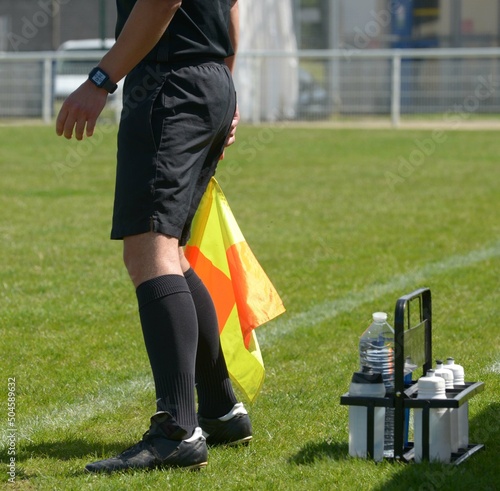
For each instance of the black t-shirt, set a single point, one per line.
(199, 29)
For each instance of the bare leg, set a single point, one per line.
(150, 255)
(169, 324)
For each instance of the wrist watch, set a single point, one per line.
(101, 79)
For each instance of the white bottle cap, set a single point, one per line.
(445, 373)
(431, 386)
(379, 316)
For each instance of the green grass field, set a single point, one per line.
(343, 221)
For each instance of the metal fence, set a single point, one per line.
(332, 84)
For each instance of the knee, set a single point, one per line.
(139, 262)
(148, 256)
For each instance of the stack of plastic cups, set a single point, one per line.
(447, 375)
(463, 411)
(433, 387)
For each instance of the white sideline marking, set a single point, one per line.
(68, 415)
(495, 368)
(410, 280)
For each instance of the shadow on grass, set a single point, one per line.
(64, 450)
(71, 449)
(480, 471)
(313, 451)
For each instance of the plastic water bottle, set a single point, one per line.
(433, 387)
(458, 371)
(368, 384)
(447, 375)
(376, 350)
(461, 419)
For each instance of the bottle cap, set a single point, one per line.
(367, 376)
(379, 316)
(447, 374)
(430, 385)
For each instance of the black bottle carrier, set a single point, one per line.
(413, 338)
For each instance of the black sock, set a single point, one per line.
(169, 326)
(215, 392)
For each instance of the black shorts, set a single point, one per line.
(174, 124)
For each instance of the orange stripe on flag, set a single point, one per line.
(218, 284)
(256, 298)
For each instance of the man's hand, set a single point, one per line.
(231, 138)
(232, 132)
(80, 111)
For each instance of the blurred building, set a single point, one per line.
(369, 24)
(31, 25)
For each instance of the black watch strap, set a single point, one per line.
(101, 79)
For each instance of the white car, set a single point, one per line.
(72, 72)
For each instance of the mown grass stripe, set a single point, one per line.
(65, 416)
(411, 280)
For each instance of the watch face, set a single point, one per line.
(99, 78)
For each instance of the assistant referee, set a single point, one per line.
(173, 131)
